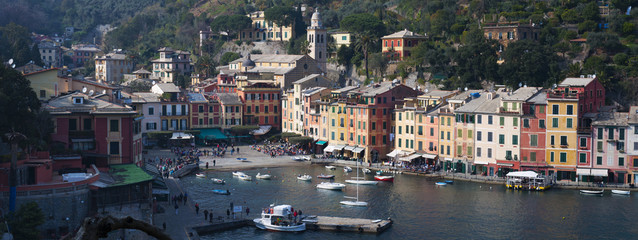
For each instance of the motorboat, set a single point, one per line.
(278, 218)
(200, 175)
(620, 192)
(221, 192)
(366, 171)
(379, 172)
(384, 178)
(238, 173)
(347, 169)
(304, 177)
(598, 192)
(242, 159)
(449, 181)
(245, 177)
(325, 176)
(330, 167)
(264, 176)
(361, 182)
(331, 186)
(218, 181)
(441, 183)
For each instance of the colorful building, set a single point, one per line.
(486, 137)
(262, 30)
(46, 83)
(262, 104)
(170, 64)
(533, 134)
(317, 38)
(231, 109)
(110, 68)
(507, 32)
(632, 144)
(174, 112)
(82, 53)
(561, 138)
(610, 134)
(398, 46)
(204, 112)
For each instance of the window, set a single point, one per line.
(73, 124)
(554, 122)
(373, 140)
(515, 140)
(621, 134)
(563, 140)
(374, 125)
(569, 122)
(621, 161)
(541, 123)
(508, 155)
(611, 133)
(87, 124)
(400, 129)
(563, 157)
(469, 151)
(599, 160)
(551, 140)
(582, 158)
(332, 135)
(599, 146)
(201, 109)
(570, 109)
(460, 133)
(502, 121)
(526, 123)
(459, 150)
(489, 136)
(265, 109)
(479, 136)
(600, 133)
(43, 93)
(115, 126)
(151, 111)
(555, 109)
(442, 135)
(449, 121)
(551, 156)
(400, 116)
(201, 121)
(501, 139)
(489, 153)
(114, 148)
(515, 122)
(489, 120)
(431, 131)
(399, 141)
(384, 125)
(478, 151)
(420, 130)
(384, 139)
(448, 135)
(583, 142)
(469, 134)
(532, 156)
(533, 140)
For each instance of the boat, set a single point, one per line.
(366, 171)
(200, 175)
(218, 181)
(330, 167)
(362, 182)
(592, 191)
(356, 201)
(242, 159)
(325, 176)
(384, 178)
(304, 177)
(245, 178)
(277, 218)
(528, 180)
(221, 192)
(331, 186)
(441, 183)
(265, 176)
(379, 172)
(238, 173)
(620, 192)
(347, 169)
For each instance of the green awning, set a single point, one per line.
(321, 142)
(125, 174)
(211, 133)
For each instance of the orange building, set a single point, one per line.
(398, 45)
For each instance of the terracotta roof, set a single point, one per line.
(404, 34)
(576, 82)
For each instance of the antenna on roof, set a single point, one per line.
(520, 84)
(83, 89)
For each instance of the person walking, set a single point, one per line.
(176, 208)
(210, 218)
(237, 150)
(205, 214)
(247, 211)
(295, 214)
(206, 165)
(214, 162)
(185, 198)
(197, 209)
(228, 213)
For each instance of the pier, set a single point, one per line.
(347, 224)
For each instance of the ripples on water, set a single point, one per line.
(422, 210)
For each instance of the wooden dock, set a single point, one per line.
(347, 224)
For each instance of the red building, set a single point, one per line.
(83, 53)
(226, 83)
(533, 134)
(591, 95)
(205, 113)
(398, 45)
(262, 104)
(105, 133)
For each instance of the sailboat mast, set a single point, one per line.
(358, 180)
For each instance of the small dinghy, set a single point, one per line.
(593, 192)
(264, 176)
(304, 177)
(621, 192)
(326, 176)
(330, 167)
(449, 181)
(200, 175)
(238, 173)
(331, 186)
(384, 178)
(441, 183)
(245, 177)
(366, 171)
(347, 169)
(221, 192)
(218, 181)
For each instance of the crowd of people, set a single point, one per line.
(167, 166)
(279, 149)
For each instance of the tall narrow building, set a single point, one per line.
(317, 40)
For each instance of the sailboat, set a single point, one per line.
(356, 201)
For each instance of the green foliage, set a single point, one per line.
(605, 41)
(18, 102)
(14, 43)
(182, 81)
(530, 63)
(282, 16)
(205, 66)
(476, 60)
(379, 63)
(230, 24)
(228, 57)
(243, 130)
(363, 24)
(24, 223)
(344, 55)
(628, 28)
(621, 59)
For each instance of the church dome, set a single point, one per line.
(316, 15)
(248, 62)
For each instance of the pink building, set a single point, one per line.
(533, 133)
(610, 137)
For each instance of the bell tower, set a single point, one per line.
(317, 40)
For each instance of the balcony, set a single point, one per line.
(86, 134)
(563, 95)
(563, 146)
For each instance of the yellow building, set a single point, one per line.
(405, 124)
(46, 83)
(263, 30)
(561, 137)
(341, 38)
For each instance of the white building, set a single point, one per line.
(317, 40)
(50, 53)
(170, 64)
(110, 68)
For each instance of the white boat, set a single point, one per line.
(361, 182)
(305, 177)
(330, 167)
(245, 178)
(200, 175)
(218, 181)
(265, 176)
(347, 169)
(366, 171)
(238, 173)
(620, 192)
(356, 201)
(331, 186)
(592, 191)
(441, 183)
(278, 218)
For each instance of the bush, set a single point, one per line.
(243, 130)
(621, 59)
(228, 57)
(255, 51)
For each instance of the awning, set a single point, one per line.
(480, 163)
(591, 172)
(393, 153)
(321, 142)
(358, 150)
(339, 147)
(505, 164)
(329, 148)
(211, 133)
(410, 158)
(526, 174)
(448, 159)
(261, 131)
(181, 136)
(349, 148)
(429, 156)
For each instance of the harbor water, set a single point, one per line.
(420, 209)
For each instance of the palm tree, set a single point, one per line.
(305, 47)
(363, 43)
(205, 66)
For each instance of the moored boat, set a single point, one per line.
(620, 192)
(384, 178)
(325, 176)
(441, 183)
(347, 169)
(245, 178)
(278, 218)
(330, 167)
(238, 173)
(221, 192)
(218, 181)
(595, 192)
(449, 181)
(304, 177)
(361, 182)
(331, 186)
(200, 175)
(264, 176)
(366, 171)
